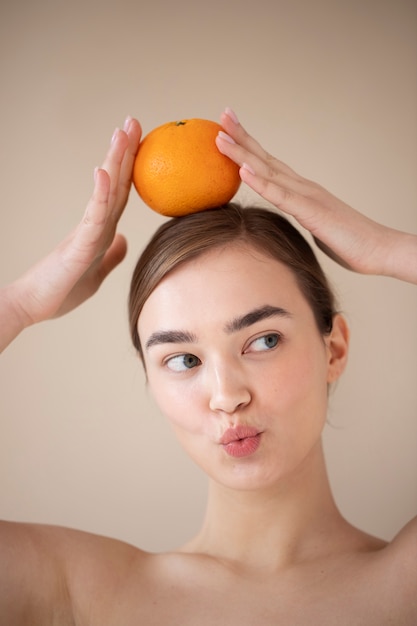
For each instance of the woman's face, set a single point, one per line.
(235, 361)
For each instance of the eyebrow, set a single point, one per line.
(254, 316)
(235, 325)
(170, 336)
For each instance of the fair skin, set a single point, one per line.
(73, 272)
(347, 236)
(229, 378)
(273, 547)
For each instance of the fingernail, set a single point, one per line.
(231, 114)
(126, 125)
(95, 173)
(115, 135)
(248, 168)
(225, 136)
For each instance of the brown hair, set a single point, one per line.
(184, 238)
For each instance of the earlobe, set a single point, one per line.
(338, 345)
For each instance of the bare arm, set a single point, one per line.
(51, 575)
(76, 268)
(347, 236)
(35, 562)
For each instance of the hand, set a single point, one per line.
(347, 236)
(77, 267)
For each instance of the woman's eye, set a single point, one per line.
(183, 362)
(266, 342)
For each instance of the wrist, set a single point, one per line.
(12, 318)
(400, 256)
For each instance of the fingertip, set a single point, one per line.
(135, 135)
(226, 137)
(101, 181)
(119, 142)
(120, 244)
(231, 115)
(127, 124)
(114, 255)
(246, 168)
(132, 126)
(100, 174)
(115, 135)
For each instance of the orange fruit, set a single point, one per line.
(179, 170)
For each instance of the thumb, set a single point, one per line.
(113, 256)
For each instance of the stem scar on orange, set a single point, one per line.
(179, 170)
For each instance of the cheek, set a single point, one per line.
(178, 404)
(299, 390)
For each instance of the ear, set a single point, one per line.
(338, 346)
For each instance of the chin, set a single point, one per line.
(248, 476)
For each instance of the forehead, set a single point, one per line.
(218, 285)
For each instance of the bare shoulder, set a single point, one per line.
(52, 573)
(397, 565)
(403, 549)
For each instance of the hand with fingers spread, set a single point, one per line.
(76, 268)
(347, 236)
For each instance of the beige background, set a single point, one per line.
(327, 85)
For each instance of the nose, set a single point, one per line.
(228, 388)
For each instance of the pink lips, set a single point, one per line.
(241, 441)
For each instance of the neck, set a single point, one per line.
(274, 526)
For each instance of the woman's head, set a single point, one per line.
(183, 239)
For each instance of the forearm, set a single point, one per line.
(12, 318)
(401, 256)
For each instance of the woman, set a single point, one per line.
(240, 342)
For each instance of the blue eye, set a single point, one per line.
(266, 342)
(183, 362)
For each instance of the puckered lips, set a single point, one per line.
(241, 441)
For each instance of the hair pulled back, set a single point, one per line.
(182, 239)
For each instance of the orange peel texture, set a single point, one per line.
(179, 170)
